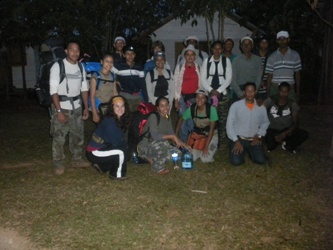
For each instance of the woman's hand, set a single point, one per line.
(96, 117)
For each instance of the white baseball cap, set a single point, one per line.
(282, 33)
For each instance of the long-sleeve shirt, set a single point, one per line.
(206, 80)
(245, 70)
(246, 122)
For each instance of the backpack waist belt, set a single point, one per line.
(63, 98)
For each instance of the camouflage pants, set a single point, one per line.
(222, 112)
(74, 127)
(159, 152)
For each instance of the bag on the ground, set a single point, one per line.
(197, 141)
(138, 120)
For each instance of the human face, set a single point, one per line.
(228, 46)
(163, 108)
(160, 62)
(283, 42)
(247, 46)
(129, 56)
(263, 45)
(217, 51)
(73, 53)
(250, 92)
(107, 63)
(119, 108)
(284, 92)
(157, 49)
(193, 42)
(200, 100)
(119, 45)
(189, 57)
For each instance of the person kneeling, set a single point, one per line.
(246, 124)
(107, 148)
(204, 117)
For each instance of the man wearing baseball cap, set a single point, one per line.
(200, 55)
(119, 44)
(284, 65)
(131, 79)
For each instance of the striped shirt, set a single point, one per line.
(283, 67)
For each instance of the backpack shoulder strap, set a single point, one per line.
(98, 79)
(81, 70)
(200, 55)
(224, 65)
(151, 72)
(193, 110)
(209, 63)
(208, 106)
(62, 72)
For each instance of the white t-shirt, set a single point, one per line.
(73, 80)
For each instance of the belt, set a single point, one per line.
(245, 138)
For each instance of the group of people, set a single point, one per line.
(260, 88)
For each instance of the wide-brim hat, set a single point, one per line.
(202, 91)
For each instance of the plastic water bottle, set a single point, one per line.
(135, 158)
(175, 159)
(187, 160)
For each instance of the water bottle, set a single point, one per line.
(135, 158)
(187, 159)
(175, 159)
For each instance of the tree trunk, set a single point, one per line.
(326, 82)
(23, 59)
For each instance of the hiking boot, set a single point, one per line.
(80, 163)
(59, 170)
(124, 178)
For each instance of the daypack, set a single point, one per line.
(138, 120)
(51, 51)
(194, 115)
(224, 66)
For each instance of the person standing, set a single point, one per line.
(263, 52)
(107, 148)
(118, 54)
(283, 116)
(187, 82)
(215, 77)
(67, 117)
(156, 46)
(159, 80)
(246, 125)
(245, 68)
(227, 49)
(284, 65)
(200, 55)
(131, 79)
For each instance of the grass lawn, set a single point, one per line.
(287, 205)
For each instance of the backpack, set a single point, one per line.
(194, 114)
(51, 52)
(224, 65)
(138, 120)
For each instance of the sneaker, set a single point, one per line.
(98, 169)
(124, 178)
(59, 170)
(285, 147)
(80, 163)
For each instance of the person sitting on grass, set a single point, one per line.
(246, 124)
(283, 116)
(155, 145)
(107, 148)
(203, 124)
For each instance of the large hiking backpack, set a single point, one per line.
(138, 120)
(51, 51)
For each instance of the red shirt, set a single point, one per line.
(190, 80)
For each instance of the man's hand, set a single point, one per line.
(256, 141)
(238, 148)
(61, 117)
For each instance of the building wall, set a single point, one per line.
(30, 71)
(174, 31)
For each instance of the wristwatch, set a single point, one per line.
(58, 110)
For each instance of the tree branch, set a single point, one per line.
(313, 6)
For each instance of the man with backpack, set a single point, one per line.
(67, 118)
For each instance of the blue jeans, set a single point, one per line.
(187, 125)
(256, 153)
